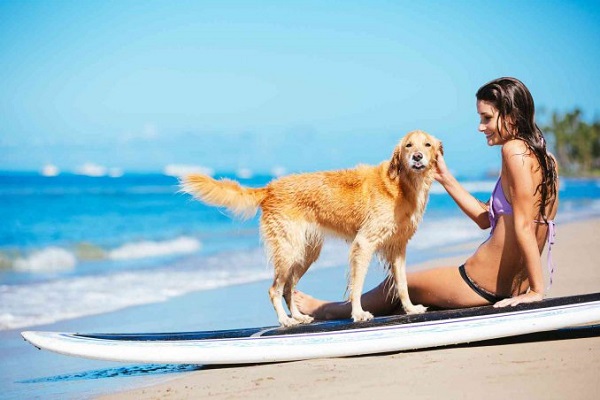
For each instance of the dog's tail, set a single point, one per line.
(242, 201)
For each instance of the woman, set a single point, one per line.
(507, 268)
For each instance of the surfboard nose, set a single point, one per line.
(30, 336)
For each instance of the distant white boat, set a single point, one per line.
(178, 170)
(91, 169)
(50, 170)
(244, 173)
(278, 171)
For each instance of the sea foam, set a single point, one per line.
(67, 298)
(485, 186)
(48, 302)
(56, 259)
(50, 259)
(146, 249)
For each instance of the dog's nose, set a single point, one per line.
(417, 156)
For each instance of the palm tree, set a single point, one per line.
(576, 143)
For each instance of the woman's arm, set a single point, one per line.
(519, 175)
(475, 209)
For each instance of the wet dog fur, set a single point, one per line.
(375, 208)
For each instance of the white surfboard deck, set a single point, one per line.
(326, 339)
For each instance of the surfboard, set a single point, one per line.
(326, 339)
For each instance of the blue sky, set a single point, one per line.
(300, 84)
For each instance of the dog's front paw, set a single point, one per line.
(288, 321)
(362, 316)
(415, 309)
(303, 319)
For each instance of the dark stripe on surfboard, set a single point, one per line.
(346, 324)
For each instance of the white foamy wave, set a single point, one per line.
(43, 303)
(51, 259)
(575, 211)
(48, 302)
(146, 249)
(435, 234)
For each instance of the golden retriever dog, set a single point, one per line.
(375, 208)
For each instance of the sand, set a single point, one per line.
(550, 369)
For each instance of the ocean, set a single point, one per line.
(73, 246)
(132, 253)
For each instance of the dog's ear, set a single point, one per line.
(441, 147)
(395, 163)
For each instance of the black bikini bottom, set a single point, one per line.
(489, 296)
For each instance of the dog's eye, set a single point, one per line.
(427, 144)
(409, 145)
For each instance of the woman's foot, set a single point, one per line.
(320, 309)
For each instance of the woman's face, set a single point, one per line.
(489, 121)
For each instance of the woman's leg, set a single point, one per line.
(376, 301)
(439, 287)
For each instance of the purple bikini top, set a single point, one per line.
(499, 205)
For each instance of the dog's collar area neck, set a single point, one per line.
(414, 183)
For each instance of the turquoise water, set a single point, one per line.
(133, 254)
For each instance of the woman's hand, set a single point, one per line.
(441, 170)
(529, 297)
(471, 206)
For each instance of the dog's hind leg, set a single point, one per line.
(280, 250)
(312, 250)
(283, 271)
(398, 267)
(288, 293)
(361, 253)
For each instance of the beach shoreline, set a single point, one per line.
(515, 370)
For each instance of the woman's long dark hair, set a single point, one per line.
(515, 106)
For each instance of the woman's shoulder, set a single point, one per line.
(517, 157)
(515, 147)
(518, 153)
